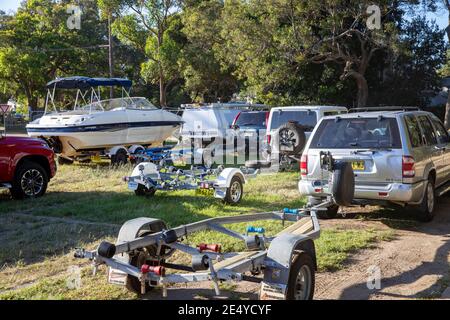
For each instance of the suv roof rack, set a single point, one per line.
(374, 109)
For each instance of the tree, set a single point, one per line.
(447, 106)
(36, 45)
(205, 78)
(146, 28)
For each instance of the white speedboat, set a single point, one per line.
(94, 124)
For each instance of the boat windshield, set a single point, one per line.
(133, 103)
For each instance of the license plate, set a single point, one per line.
(117, 277)
(358, 165)
(132, 185)
(205, 192)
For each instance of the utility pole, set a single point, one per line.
(111, 60)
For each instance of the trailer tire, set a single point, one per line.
(120, 158)
(301, 278)
(64, 161)
(343, 184)
(293, 133)
(235, 191)
(133, 284)
(143, 191)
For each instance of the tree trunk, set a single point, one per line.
(447, 112)
(363, 90)
(447, 106)
(162, 91)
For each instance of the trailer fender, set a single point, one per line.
(278, 263)
(224, 178)
(149, 169)
(134, 228)
(134, 148)
(114, 150)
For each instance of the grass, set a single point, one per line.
(87, 203)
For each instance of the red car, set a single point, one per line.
(26, 166)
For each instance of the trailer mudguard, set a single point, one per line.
(135, 147)
(114, 150)
(225, 176)
(278, 263)
(149, 169)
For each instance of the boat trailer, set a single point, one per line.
(287, 260)
(224, 183)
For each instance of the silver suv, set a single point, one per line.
(398, 156)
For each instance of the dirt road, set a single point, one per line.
(414, 265)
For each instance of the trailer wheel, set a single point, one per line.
(63, 161)
(235, 191)
(143, 191)
(133, 284)
(120, 158)
(301, 278)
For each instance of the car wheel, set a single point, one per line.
(427, 207)
(330, 213)
(235, 191)
(301, 278)
(30, 181)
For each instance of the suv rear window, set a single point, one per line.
(414, 131)
(251, 119)
(308, 119)
(352, 133)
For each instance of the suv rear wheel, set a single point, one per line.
(30, 181)
(428, 204)
(330, 213)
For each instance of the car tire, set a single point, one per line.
(301, 278)
(343, 183)
(235, 192)
(427, 207)
(330, 213)
(30, 181)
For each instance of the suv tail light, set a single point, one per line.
(304, 165)
(236, 119)
(268, 138)
(408, 164)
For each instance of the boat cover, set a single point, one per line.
(79, 82)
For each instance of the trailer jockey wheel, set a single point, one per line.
(301, 278)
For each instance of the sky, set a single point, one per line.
(440, 17)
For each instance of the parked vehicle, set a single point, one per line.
(26, 166)
(111, 127)
(208, 128)
(399, 155)
(249, 133)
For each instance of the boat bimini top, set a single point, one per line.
(88, 97)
